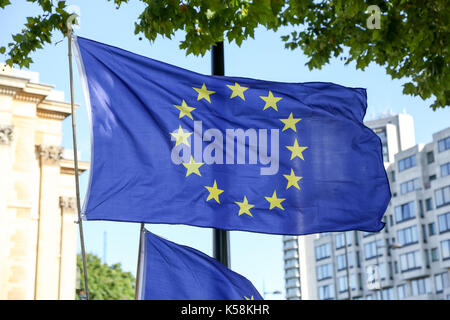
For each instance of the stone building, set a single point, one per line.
(38, 233)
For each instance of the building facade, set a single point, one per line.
(38, 236)
(410, 257)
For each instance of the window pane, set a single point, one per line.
(445, 249)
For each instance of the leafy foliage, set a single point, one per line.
(106, 282)
(412, 43)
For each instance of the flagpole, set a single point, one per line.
(220, 237)
(138, 271)
(75, 156)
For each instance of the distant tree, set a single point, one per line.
(412, 41)
(106, 282)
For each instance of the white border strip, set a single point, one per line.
(84, 82)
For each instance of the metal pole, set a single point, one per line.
(75, 158)
(349, 289)
(220, 237)
(138, 271)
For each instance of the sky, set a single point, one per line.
(258, 257)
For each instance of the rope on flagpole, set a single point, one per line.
(69, 23)
(138, 272)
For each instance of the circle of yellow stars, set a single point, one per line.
(214, 192)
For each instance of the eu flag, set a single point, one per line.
(177, 147)
(170, 271)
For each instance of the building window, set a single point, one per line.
(371, 249)
(445, 249)
(366, 234)
(381, 133)
(442, 196)
(290, 244)
(409, 186)
(421, 208)
(445, 169)
(292, 273)
(358, 259)
(424, 233)
(388, 294)
(427, 258)
(343, 284)
(293, 292)
(410, 261)
(407, 236)
(402, 291)
(356, 237)
(444, 144)
(340, 239)
(441, 282)
(323, 251)
(444, 222)
(342, 262)
(382, 270)
(292, 253)
(392, 176)
(434, 255)
(326, 292)
(407, 163)
(324, 271)
(429, 204)
(432, 229)
(291, 263)
(420, 286)
(430, 157)
(293, 282)
(405, 212)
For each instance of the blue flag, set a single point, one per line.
(170, 271)
(177, 147)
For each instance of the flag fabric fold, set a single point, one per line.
(170, 271)
(177, 147)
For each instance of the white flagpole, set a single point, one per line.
(75, 154)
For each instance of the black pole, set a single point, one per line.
(220, 237)
(217, 60)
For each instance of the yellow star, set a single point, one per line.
(296, 150)
(290, 122)
(185, 110)
(292, 180)
(214, 192)
(274, 201)
(252, 298)
(192, 167)
(203, 93)
(181, 136)
(238, 91)
(271, 101)
(244, 207)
